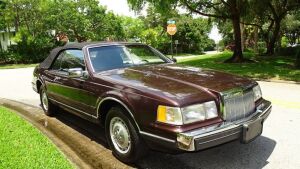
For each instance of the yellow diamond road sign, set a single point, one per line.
(171, 29)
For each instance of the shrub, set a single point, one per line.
(30, 49)
(210, 45)
(288, 51)
(249, 50)
(284, 42)
(3, 56)
(221, 45)
(297, 63)
(8, 57)
(261, 48)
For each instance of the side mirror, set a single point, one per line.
(174, 60)
(75, 72)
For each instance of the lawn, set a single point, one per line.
(23, 146)
(271, 68)
(14, 66)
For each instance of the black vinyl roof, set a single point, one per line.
(48, 61)
(91, 44)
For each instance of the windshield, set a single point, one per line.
(121, 56)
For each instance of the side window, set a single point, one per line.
(72, 59)
(57, 62)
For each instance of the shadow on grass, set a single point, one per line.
(279, 68)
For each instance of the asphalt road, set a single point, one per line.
(278, 147)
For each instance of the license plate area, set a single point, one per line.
(252, 130)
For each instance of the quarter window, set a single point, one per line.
(72, 59)
(57, 62)
(69, 59)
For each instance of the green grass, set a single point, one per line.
(23, 146)
(15, 66)
(274, 68)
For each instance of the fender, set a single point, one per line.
(120, 102)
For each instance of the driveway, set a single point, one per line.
(278, 147)
(15, 84)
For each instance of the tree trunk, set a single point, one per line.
(243, 38)
(274, 38)
(255, 39)
(237, 54)
(16, 19)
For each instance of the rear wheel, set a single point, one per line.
(48, 107)
(122, 136)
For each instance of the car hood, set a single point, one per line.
(183, 83)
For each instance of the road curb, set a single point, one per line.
(82, 151)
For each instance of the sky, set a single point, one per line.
(121, 7)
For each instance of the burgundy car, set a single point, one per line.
(144, 100)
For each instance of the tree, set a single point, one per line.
(279, 9)
(133, 28)
(291, 27)
(83, 20)
(268, 16)
(39, 22)
(2, 14)
(193, 34)
(224, 10)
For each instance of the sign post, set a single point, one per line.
(176, 43)
(171, 29)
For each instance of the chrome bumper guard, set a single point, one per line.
(218, 134)
(33, 84)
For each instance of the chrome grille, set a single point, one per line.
(238, 105)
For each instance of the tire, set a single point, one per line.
(126, 150)
(49, 108)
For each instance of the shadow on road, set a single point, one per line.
(93, 131)
(232, 155)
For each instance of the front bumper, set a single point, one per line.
(246, 130)
(33, 84)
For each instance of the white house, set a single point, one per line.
(6, 38)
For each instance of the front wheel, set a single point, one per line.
(122, 137)
(48, 107)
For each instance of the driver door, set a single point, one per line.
(70, 91)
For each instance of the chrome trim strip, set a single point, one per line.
(235, 125)
(73, 108)
(111, 98)
(217, 131)
(120, 102)
(156, 136)
(219, 138)
(235, 90)
(88, 47)
(220, 128)
(214, 131)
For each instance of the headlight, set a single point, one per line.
(170, 115)
(257, 93)
(190, 114)
(199, 112)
